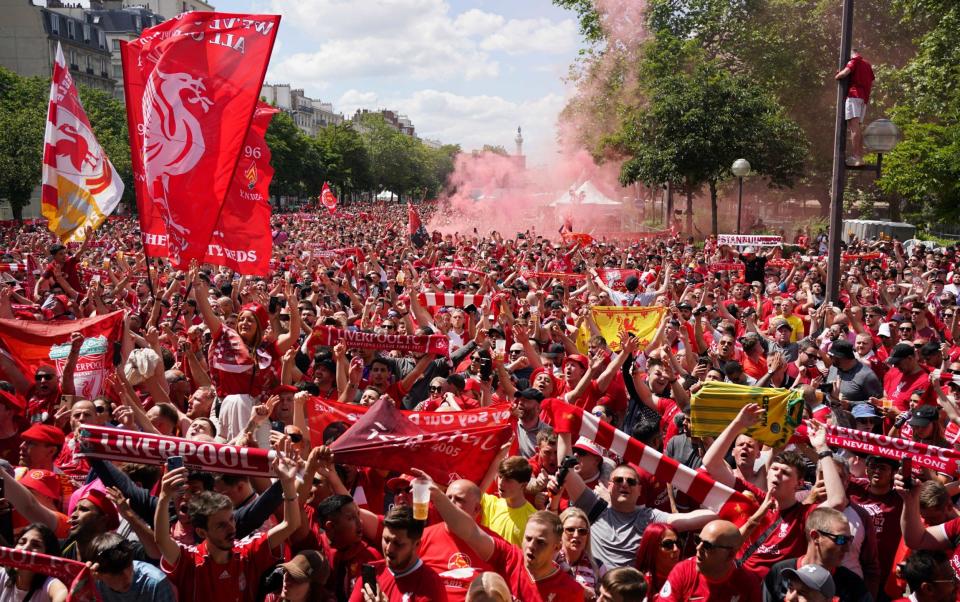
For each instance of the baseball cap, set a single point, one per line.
(815, 577)
(401, 482)
(12, 401)
(923, 416)
(900, 351)
(864, 410)
(588, 446)
(308, 565)
(578, 358)
(44, 433)
(842, 349)
(43, 482)
(780, 323)
(531, 393)
(884, 330)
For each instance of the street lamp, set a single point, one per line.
(879, 137)
(741, 168)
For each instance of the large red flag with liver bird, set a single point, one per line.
(242, 239)
(191, 85)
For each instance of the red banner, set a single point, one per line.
(75, 575)
(118, 445)
(386, 438)
(581, 238)
(328, 336)
(615, 278)
(242, 240)
(327, 199)
(547, 275)
(191, 84)
(862, 256)
(35, 344)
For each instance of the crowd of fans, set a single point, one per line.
(831, 523)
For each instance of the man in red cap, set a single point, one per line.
(41, 446)
(93, 515)
(12, 407)
(36, 496)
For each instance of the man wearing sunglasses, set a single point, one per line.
(828, 541)
(617, 526)
(713, 574)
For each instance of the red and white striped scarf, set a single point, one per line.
(15, 266)
(75, 575)
(729, 504)
(455, 268)
(451, 299)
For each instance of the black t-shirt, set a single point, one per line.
(754, 268)
(849, 585)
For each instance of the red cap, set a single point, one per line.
(12, 401)
(63, 299)
(284, 389)
(43, 482)
(580, 359)
(44, 433)
(471, 384)
(259, 312)
(105, 506)
(401, 482)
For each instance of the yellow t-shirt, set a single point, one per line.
(509, 523)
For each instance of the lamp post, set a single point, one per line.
(741, 168)
(879, 137)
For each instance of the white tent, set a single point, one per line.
(386, 195)
(587, 194)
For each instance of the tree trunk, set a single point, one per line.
(894, 204)
(689, 211)
(668, 210)
(713, 207)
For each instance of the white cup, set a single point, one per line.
(421, 498)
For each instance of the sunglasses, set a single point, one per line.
(599, 414)
(577, 530)
(433, 389)
(295, 437)
(43, 376)
(669, 544)
(840, 540)
(390, 326)
(709, 545)
(100, 409)
(632, 482)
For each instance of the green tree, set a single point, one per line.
(295, 160)
(701, 118)
(23, 113)
(345, 158)
(495, 149)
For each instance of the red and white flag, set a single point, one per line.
(80, 186)
(242, 240)
(327, 199)
(191, 85)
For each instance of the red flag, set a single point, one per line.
(385, 438)
(35, 344)
(80, 186)
(242, 240)
(329, 201)
(191, 85)
(418, 234)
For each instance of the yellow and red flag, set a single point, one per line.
(641, 321)
(80, 186)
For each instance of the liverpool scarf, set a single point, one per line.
(118, 445)
(75, 575)
(328, 336)
(729, 504)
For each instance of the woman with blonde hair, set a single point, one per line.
(575, 556)
(489, 587)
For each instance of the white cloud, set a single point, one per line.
(420, 40)
(521, 36)
(471, 121)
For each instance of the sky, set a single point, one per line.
(465, 72)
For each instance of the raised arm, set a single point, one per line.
(713, 459)
(286, 468)
(459, 522)
(172, 482)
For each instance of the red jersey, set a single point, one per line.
(197, 577)
(861, 79)
(452, 558)
(507, 559)
(75, 467)
(786, 540)
(653, 491)
(235, 372)
(951, 529)
(685, 583)
(560, 587)
(418, 584)
(885, 510)
(899, 388)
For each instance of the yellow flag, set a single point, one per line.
(716, 404)
(641, 321)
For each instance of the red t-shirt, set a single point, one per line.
(685, 583)
(861, 79)
(421, 584)
(197, 577)
(507, 559)
(899, 388)
(885, 511)
(75, 467)
(787, 540)
(452, 558)
(951, 529)
(653, 491)
(560, 587)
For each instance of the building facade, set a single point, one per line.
(309, 114)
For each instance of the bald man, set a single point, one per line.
(713, 575)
